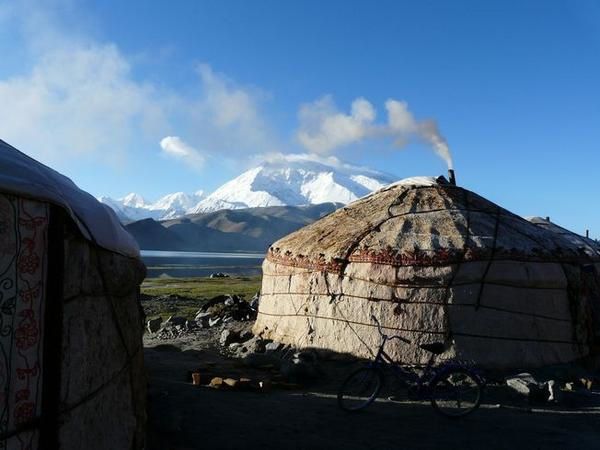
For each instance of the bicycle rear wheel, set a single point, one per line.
(360, 389)
(455, 393)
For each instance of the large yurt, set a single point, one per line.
(433, 262)
(71, 360)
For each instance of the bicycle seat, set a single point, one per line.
(437, 348)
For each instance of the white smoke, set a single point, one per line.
(323, 128)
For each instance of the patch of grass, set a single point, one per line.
(196, 290)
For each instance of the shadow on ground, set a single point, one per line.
(183, 416)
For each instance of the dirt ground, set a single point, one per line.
(183, 416)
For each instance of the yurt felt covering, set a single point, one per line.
(433, 262)
(70, 335)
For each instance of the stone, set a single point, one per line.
(216, 382)
(525, 384)
(272, 346)
(200, 315)
(229, 302)
(254, 302)
(521, 383)
(214, 321)
(246, 335)
(153, 325)
(230, 382)
(227, 337)
(175, 320)
(586, 383)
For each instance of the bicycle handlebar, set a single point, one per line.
(385, 335)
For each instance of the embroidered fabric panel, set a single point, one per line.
(23, 260)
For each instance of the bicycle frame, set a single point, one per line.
(383, 360)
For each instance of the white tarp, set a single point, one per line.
(24, 176)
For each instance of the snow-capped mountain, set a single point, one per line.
(295, 180)
(134, 207)
(284, 180)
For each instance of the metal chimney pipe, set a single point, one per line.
(451, 177)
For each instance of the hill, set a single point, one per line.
(240, 230)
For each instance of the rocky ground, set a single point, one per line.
(253, 393)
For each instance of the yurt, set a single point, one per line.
(433, 262)
(71, 361)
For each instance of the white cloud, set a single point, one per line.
(81, 99)
(226, 117)
(176, 148)
(324, 129)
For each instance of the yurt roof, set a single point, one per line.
(421, 221)
(588, 245)
(23, 176)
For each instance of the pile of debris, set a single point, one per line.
(216, 311)
(567, 386)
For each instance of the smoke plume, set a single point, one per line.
(323, 128)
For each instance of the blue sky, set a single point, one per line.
(92, 88)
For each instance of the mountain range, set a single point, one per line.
(228, 230)
(291, 180)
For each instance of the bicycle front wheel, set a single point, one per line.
(455, 393)
(360, 389)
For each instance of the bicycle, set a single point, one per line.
(454, 388)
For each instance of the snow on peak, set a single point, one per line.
(278, 180)
(295, 180)
(133, 200)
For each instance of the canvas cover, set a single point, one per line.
(434, 262)
(23, 265)
(23, 176)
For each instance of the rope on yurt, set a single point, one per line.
(430, 286)
(448, 336)
(479, 336)
(115, 317)
(90, 395)
(113, 312)
(491, 259)
(409, 302)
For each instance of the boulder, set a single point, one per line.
(228, 337)
(273, 346)
(153, 325)
(201, 315)
(246, 335)
(175, 320)
(526, 385)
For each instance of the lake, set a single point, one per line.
(200, 264)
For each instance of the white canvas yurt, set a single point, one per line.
(434, 263)
(71, 361)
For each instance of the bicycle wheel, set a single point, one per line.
(360, 389)
(455, 393)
